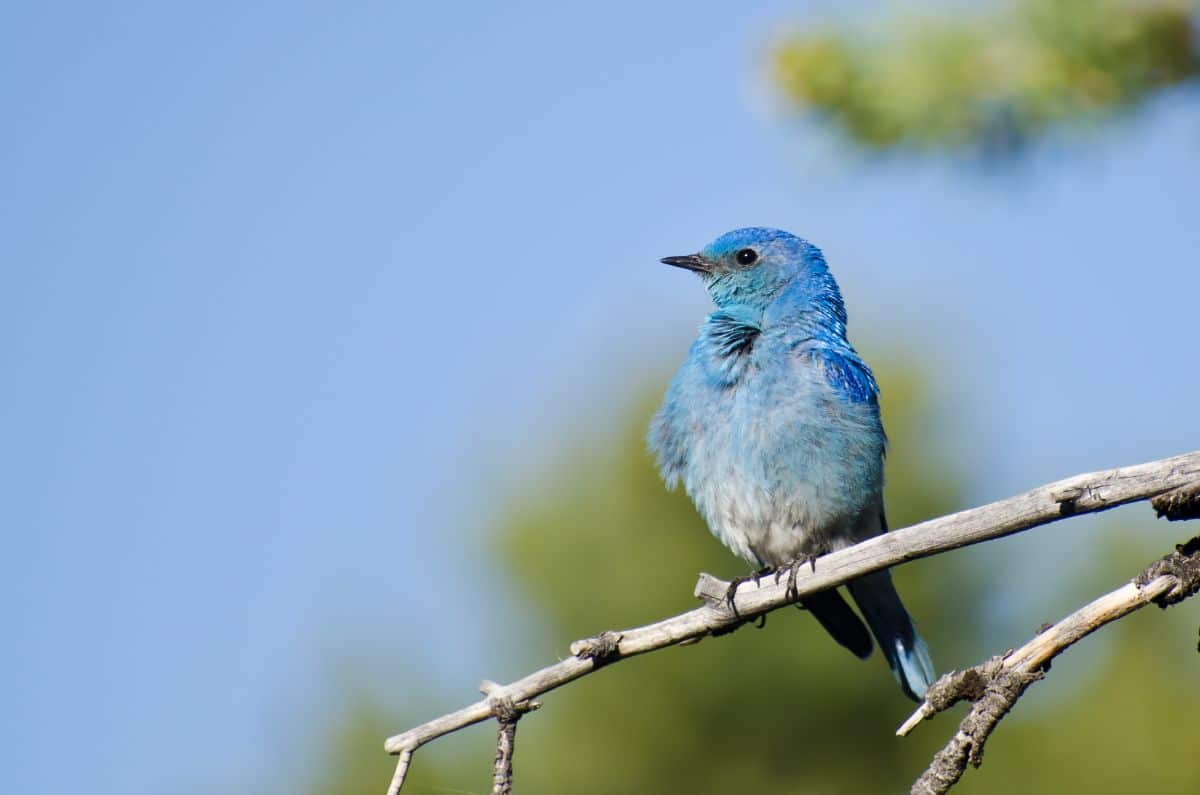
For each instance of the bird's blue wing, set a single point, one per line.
(847, 373)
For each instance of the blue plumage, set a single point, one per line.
(772, 425)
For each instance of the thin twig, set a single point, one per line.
(507, 714)
(1096, 491)
(401, 771)
(995, 686)
(506, 741)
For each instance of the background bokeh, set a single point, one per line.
(330, 334)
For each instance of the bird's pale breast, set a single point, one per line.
(780, 463)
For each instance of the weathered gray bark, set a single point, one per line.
(1173, 483)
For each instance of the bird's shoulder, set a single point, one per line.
(844, 371)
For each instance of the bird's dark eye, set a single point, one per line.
(747, 256)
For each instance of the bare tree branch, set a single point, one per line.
(506, 741)
(1096, 491)
(507, 714)
(401, 771)
(994, 686)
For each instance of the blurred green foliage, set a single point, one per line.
(599, 543)
(777, 709)
(987, 79)
(354, 761)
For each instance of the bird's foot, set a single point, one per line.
(736, 582)
(792, 570)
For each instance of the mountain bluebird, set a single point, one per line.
(772, 425)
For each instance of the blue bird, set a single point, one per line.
(772, 425)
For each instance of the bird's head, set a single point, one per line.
(752, 267)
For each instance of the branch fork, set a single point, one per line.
(993, 687)
(1173, 485)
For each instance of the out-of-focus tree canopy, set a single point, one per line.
(990, 79)
(780, 709)
(599, 543)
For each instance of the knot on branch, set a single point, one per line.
(990, 683)
(603, 648)
(1180, 503)
(992, 688)
(505, 709)
(957, 686)
(502, 706)
(1183, 564)
(1067, 499)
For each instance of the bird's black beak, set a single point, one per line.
(692, 262)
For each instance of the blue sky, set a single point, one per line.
(282, 283)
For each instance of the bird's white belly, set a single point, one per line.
(762, 528)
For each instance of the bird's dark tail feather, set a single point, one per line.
(840, 621)
(904, 649)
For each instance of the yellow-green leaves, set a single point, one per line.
(989, 80)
